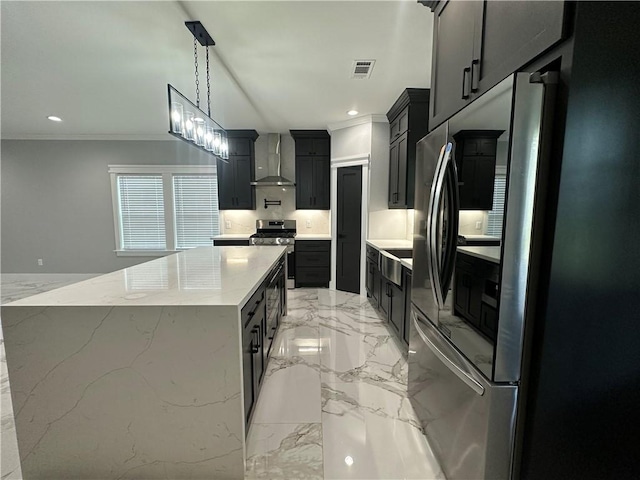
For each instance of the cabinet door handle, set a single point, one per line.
(465, 75)
(475, 74)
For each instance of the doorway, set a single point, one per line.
(349, 229)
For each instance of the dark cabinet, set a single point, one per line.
(475, 293)
(372, 282)
(235, 176)
(406, 331)
(478, 44)
(408, 122)
(253, 317)
(396, 308)
(456, 44)
(230, 243)
(313, 263)
(475, 154)
(313, 150)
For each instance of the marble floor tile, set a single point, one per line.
(290, 390)
(369, 432)
(284, 451)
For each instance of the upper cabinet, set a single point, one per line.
(478, 44)
(235, 176)
(475, 155)
(313, 148)
(408, 122)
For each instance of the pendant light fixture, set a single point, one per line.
(187, 121)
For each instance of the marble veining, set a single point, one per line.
(285, 451)
(199, 276)
(336, 372)
(14, 287)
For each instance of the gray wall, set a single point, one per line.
(56, 201)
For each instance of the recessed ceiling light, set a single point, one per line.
(352, 112)
(53, 118)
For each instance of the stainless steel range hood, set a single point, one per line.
(274, 179)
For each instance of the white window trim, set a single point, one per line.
(167, 172)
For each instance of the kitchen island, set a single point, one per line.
(137, 373)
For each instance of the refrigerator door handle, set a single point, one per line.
(433, 224)
(430, 220)
(446, 359)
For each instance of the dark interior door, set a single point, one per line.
(349, 229)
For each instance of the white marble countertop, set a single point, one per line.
(200, 276)
(407, 262)
(480, 237)
(492, 254)
(232, 236)
(384, 243)
(313, 236)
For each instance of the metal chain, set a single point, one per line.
(208, 83)
(195, 56)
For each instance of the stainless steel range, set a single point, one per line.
(280, 233)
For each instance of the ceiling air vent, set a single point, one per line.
(362, 68)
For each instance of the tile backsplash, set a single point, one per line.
(244, 221)
(469, 220)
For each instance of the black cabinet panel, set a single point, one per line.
(228, 243)
(396, 309)
(514, 33)
(478, 44)
(235, 176)
(313, 263)
(406, 331)
(454, 37)
(475, 154)
(312, 169)
(408, 119)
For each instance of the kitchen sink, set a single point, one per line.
(400, 252)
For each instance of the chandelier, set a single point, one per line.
(187, 121)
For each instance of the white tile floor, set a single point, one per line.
(333, 404)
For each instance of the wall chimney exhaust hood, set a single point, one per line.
(274, 179)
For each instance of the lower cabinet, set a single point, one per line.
(406, 332)
(260, 319)
(475, 293)
(230, 243)
(253, 317)
(313, 263)
(392, 301)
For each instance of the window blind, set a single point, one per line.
(142, 224)
(196, 209)
(496, 215)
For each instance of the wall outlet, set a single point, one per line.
(308, 223)
(40, 262)
(479, 225)
(227, 224)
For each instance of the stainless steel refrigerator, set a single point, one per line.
(471, 305)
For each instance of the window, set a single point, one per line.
(196, 209)
(494, 222)
(163, 208)
(141, 216)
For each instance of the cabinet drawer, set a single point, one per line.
(250, 308)
(313, 246)
(372, 254)
(313, 259)
(313, 276)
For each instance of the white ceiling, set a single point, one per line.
(103, 67)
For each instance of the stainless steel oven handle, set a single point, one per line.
(461, 374)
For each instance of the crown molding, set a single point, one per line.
(362, 120)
